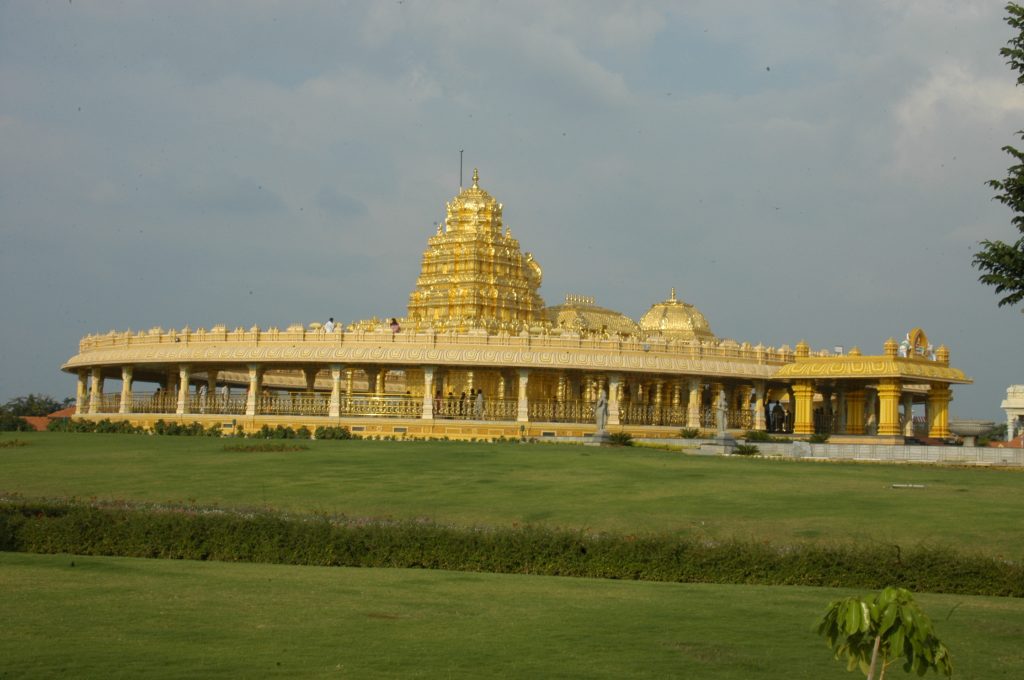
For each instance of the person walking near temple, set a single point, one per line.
(478, 405)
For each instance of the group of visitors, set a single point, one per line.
(461, 407)
(329, 326)
(777, 418)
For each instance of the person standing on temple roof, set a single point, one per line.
(395, 328)
(329, 326)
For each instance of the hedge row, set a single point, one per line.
(194, 429)
(313, 540)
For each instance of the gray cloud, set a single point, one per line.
(797, 172)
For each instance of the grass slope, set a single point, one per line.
(117, 617)
(625, 491)
(602, 489)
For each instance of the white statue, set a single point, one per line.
(601, 411)
(722, 412)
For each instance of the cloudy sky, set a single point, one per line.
(798, 170)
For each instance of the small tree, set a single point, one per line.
(1002, 264)
(31, 405)
(874, 632)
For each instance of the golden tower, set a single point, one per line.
(474, 275)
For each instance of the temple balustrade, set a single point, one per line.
(287, 345)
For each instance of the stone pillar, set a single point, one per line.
(826, 409)
(350, 379)
(126, 390)
(803, 416)
(381, 384)
(255, 384)
(184, 373)
(855, 412)
(888, 407)
(211, 390)
(939, 396)
(171, 391)
(759, 395)
(614, 382)
(371, 379)
(693, 405)
(81, 392)
(659, 400)
(95, 390)
(841, 411)
(428, 392)
(334, 406)
(871, 411)
(908, 414)
(502, 392)
(309, 374)
(563, 387)
(523, 410)
(469, 383)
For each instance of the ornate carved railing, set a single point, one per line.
(154, 402)
(553, 411)
(294, 404)
(109, 402)
(451, 408)
(388, 406)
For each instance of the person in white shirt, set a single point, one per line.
(329, 326)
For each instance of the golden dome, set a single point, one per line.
(677, 320)
(580, 314)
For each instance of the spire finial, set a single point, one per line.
(476, 178)
(672, 297)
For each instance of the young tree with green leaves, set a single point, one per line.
(1002, 264)
(873, 633)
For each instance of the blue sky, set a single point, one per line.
(797, 170)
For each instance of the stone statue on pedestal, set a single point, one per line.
(722, 413)
(601, 412)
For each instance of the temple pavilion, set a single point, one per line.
(476, 323)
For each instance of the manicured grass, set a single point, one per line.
(118, 617)
(621, 490)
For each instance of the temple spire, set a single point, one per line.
(476, 178)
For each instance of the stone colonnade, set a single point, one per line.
(519, 394)
(853, 407)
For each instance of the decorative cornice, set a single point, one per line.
(873, 367)
(449, 350)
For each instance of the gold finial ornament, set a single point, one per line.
(474, 275)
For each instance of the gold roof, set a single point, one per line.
(914, 363)
(676, 319)
(908, 369)
(473, 275)
(580, 314)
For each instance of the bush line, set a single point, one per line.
(267, 537)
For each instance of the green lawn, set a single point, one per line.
(117, 617)
(623, 490)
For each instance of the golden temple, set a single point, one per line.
(478, 354)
